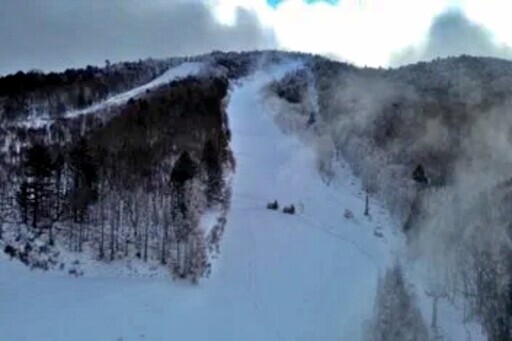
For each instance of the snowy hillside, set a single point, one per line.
(309, 276)
(174, 73)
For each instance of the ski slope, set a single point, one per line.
(309, 276)
(174, 73)
(181, 71)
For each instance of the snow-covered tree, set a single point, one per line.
(396, 316)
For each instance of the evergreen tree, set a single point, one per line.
(396, 316)
(85, 178)
(212, 164)
(35, 193)
(22, 200)
(420, 176)
(184, 170)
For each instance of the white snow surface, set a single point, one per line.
(309, 276)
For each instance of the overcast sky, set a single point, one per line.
(56, 34)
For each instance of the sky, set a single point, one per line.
(57, 34)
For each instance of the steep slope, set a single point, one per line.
(294, 277)
(308, 276)
(174, 73)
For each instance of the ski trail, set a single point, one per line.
(278, 277)
(181, 71)
(311, 272)
(175, 73)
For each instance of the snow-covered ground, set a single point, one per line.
(309, 276)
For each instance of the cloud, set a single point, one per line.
(275, 3)
(453, 34)
(362, 32)
(57, 34)
(54, 34)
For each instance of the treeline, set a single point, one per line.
(52, 94)
(137, 185)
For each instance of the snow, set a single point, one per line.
(309, 276)
(209, 219)
(181, 71)
(175, 73)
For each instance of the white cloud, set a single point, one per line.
(55, 34)
(453, 34)
(371, 32)
(364, 32)
(492, 14)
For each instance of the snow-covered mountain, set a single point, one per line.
(322, 201)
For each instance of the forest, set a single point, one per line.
(35, 93)
(132, 186)
(432, 141)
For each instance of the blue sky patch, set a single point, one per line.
(275, 3)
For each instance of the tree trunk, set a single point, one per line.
(35, 209)
(51, 233)
(119, 224)
(80, 233)
(434, 315)
(112, 227)
(367, 205)
(71, 236)
(164, 246)
(102, 240)
(102, 235)
(178, 260)
(146, 237)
